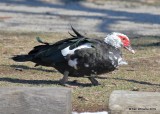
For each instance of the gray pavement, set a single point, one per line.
(88, 17)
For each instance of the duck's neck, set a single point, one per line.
(113, 40)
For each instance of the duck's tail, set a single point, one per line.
(22, 58)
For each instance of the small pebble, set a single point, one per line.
(82, 98)
(135, 89)
(19, 69)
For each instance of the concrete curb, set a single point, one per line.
(130, 102)
(32, 100)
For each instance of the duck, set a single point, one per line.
(80, 56)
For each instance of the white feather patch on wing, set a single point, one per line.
(73, 63)
(67, 51)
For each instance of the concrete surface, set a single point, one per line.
(32, 100)
(88, 17)
(131, 102)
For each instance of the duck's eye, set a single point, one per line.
(122, 37)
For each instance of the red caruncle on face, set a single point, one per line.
(125, 40)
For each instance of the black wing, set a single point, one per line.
(51, 53)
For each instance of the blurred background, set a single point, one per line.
(136, 17)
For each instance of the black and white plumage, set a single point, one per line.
(80, 56)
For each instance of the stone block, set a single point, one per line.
(32, 100)
(131, 102)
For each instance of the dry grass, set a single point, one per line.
(142, 73)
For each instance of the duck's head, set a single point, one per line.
(119, 40)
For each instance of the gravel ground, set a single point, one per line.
(88, 17)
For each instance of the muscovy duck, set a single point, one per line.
(80, 56)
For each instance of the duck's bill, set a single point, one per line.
(129, 48)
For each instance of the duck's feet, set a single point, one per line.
(93, 81)
(65, 78)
